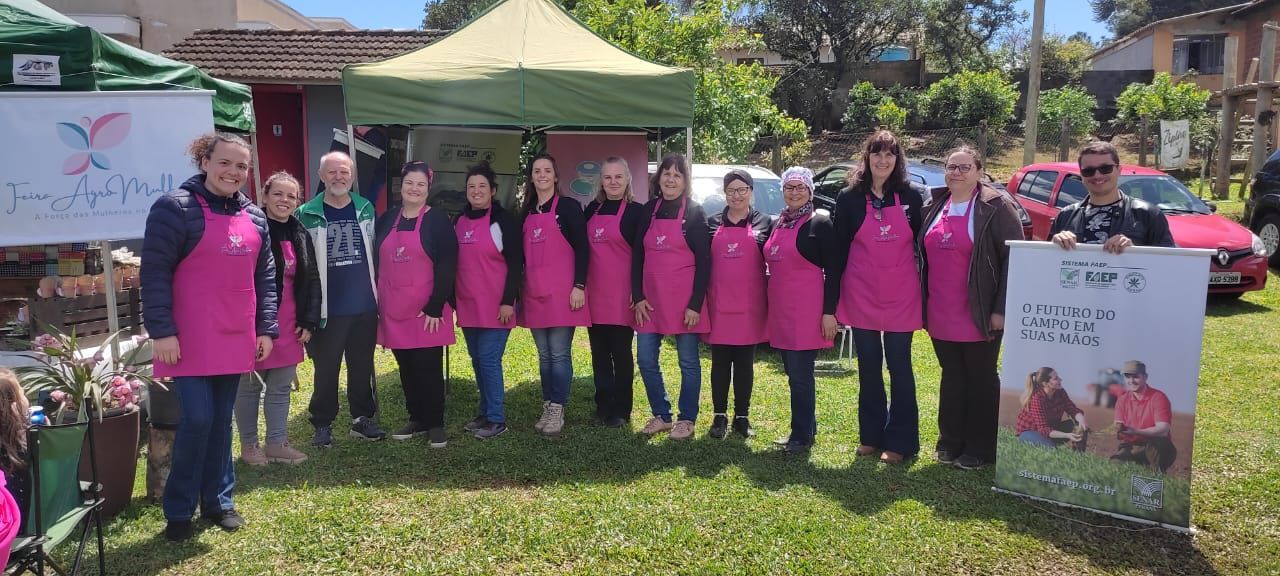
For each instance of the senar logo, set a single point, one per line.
(1069, 277)
(90, 137)
(1147, 493)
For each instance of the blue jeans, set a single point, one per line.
(893, 424)
(201, 471)
(647, 347)
(486, 347)
(555, 361)
(798, 364)
(1036, 438)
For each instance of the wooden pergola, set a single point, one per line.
(1235, 97)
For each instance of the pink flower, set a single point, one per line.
(58, 396)
(46, 341)
(118, 381)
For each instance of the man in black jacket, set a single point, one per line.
(1108, 216)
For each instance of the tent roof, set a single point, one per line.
(90, 61)
(522, 63)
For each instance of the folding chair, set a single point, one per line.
(60, 506)
(843, 363)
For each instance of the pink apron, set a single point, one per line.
(795, 294)
(482, 274)
(286, 350)
(609, 275)
(880, 289)
(214, 302)
(10, 519)
(406, 278)
(548, 275)
(949, 250)
(668, 276)
(737, 296)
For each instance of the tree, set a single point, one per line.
(1125, 16)
(854, 31)
(451, 14)
(1062, 59)
(1073, 103)
(733, 103)
(969, 98)
(958, 33)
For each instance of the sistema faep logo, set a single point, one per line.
(89, 137)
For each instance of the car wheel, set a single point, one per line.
(1269, 232)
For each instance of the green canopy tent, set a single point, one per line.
(524, 63)
(91, 62)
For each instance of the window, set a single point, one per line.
(832, 183)
(1038, 186)
(1072, 191)
(1200, 53)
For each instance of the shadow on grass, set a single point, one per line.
(1221, 306)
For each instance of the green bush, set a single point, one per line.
(908, 99)
(1163, 99)
(1072, 103)
(890, 115)
(860, 114)
(968, 98)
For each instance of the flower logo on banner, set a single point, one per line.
(90, 137)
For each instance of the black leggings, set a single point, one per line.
(613, 365)
(422, 375)
(738, 361)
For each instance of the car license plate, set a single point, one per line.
(1216, 278)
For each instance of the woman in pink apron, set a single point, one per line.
(554, 300)
(416, 261)
(613, 222)
(965, 272)
(209, 304)
(736, 301)
(876, 221)
(298, 284)
(798, 253)
(669, 280)
(490, 264)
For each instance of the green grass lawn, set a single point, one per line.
(600, 501)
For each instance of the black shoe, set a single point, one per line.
(719, 426)
(365, 428)
(228, 520)
(437, 438)
(742, 427)
(968, 462)
(792, 446)
(475, 424)
(490, 429)
(179, 530)
(323, 437)
(945, 456)
(409, 431)
(616, 423)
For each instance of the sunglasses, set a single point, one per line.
(877, 204)
(1103, 169)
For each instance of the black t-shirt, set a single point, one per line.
(1101, 222)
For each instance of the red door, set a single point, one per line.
(280, 137)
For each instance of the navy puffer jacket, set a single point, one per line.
(174, 227)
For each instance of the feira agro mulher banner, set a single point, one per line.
(81, 166)
(1098, 386)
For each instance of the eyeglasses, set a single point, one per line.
(1103, 169)
(961, 168)
(795, 187)
(738, 191)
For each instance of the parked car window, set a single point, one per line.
(832, 182)
(1041, 188)
(1164, 191)
(1072, 191)
(1024, 185)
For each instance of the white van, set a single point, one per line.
(708, 187)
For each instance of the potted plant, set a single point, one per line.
(80, 384)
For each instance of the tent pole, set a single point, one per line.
(355, 157)
(688, 144)
(658, 158)
(109, 275)
(257, 168)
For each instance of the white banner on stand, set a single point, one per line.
(1100, 368)
(86, 166)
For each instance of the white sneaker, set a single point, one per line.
(542, 420)
(555, 419)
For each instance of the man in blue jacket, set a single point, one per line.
(209, 297)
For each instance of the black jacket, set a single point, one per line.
(306, 278)
(438, 241)
(174, 227)
(1141, 221)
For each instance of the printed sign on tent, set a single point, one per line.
(36, 70)
(88, 165)
(451, 151)
(1100, 369)
(579, 156)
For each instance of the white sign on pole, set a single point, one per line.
(1113, 342)
(36, 70)
(1175, 143)
(85, 166)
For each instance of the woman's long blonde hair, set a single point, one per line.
(627, 195)
(1036, 381)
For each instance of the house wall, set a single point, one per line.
(1251, 38)
(162, 23)
(279, 15)
(1135, 56)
